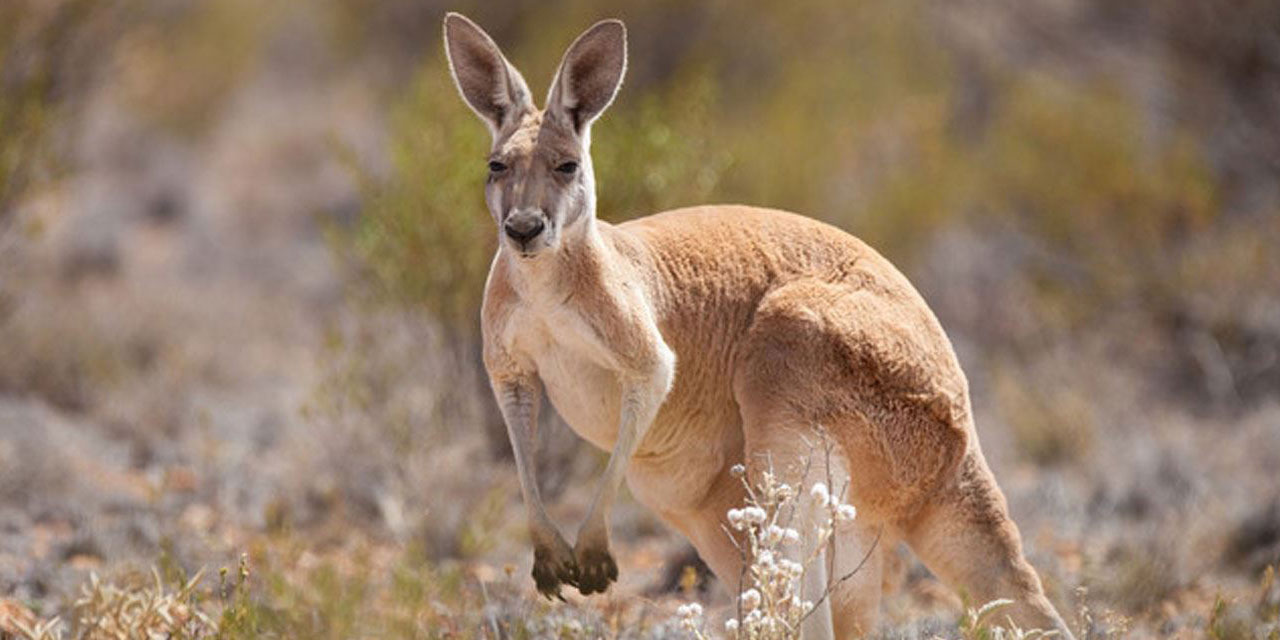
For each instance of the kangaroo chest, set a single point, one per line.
(687, 445)
(584, 391)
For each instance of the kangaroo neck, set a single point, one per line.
(579, 262)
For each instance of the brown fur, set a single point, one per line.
(693, 340)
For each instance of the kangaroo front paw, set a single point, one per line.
(596, 569)
(553, 565)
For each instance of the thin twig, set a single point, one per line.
(742, 577)
(488, 611)
(874, 544)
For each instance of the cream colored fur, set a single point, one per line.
(692, 340)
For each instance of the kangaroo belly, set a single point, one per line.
(679, 481)
(586, 395)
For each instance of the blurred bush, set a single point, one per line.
(31, 38)
(44, 65)
(424, 234)
(23, 118)
(179, 65)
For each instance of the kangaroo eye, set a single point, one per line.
(567, 167)
(497, 167)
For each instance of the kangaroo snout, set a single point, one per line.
(523, 226)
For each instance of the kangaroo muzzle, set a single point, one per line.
(523, 226)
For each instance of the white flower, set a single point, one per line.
(750, 599)
(736, 519)
(691, 610)
(765, 558)
(773, 535)
(790, 535)
(689, 615)
(791, 568)
(753, 618)
(737, 471)
(754, 515)
(846, 513)
(731, 625)
(820, 494)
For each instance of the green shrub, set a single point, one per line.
(425, 235)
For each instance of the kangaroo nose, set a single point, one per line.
(523, 227)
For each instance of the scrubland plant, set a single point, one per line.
(1102, 625)
(109, 610)
(976, 625)
(690, 619)
(984, 623)
(1258, 617)
(769, 530)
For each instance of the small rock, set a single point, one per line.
(180, 480)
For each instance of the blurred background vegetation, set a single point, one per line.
(242, 248)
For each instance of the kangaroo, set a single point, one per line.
(690, 341)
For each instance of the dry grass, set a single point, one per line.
(289, 591)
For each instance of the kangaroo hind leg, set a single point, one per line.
(966, 537)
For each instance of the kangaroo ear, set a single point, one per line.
(589, 75)
(488, 83)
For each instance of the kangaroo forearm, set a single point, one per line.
(632, 428)
(640, 404)
(519, 402)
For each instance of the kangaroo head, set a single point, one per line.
(541, 188)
